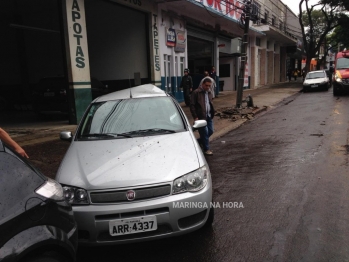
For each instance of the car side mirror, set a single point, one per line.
(66, 136)
(198, 124)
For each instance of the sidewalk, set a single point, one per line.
(264, 99)
(25, 128)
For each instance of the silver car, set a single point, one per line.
(316, 80)
(134, 170)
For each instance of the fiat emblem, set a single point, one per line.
(130, 195)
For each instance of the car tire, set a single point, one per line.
(210, 218)
(335, 92)
(48, 257)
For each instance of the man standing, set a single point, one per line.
(187, 85)
(213, 86)
(213, 73)
(201, 107)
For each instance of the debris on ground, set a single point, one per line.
(235, 113)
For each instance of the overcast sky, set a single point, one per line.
(294, 4)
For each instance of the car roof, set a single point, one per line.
(147, 90)
(317, 71)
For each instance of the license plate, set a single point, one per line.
(132, 225)
(314, 86)
(49, 94)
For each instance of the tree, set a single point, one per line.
(342, 3)
(339, 36)
(317, 21)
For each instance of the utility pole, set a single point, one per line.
(246, 21)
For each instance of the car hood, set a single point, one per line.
(344, 73)
(127, 162)
(315, 81)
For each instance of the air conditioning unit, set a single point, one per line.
(235, 47)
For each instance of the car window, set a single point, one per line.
(132, 115)
(342, 63)
(316, 75)
(18, 182)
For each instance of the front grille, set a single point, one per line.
(120, 195)
(155, 211)
(161, 230)
(345, 81)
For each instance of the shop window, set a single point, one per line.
(176, 73)
(167, 67)
(273, 20)
(181, 65)
(266, 16)
(224, 70)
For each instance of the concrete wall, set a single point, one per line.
(270, 67)
(263, 68)
(276, 68)
(253, 66)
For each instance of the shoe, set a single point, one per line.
(208, 152)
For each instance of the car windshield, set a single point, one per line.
(342, 63)
(315, 75)
(131, 117)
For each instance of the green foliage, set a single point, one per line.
(318, 22)
(338, 3)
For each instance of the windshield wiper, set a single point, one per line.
(114, 135)
(152, 130)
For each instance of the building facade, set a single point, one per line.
(126, 43)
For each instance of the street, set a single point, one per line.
(280, 185)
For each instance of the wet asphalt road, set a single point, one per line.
(288, 172)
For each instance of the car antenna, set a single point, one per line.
(129, 79)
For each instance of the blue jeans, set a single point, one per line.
(205, 133)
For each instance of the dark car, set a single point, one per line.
(51, 94)
(36, 223)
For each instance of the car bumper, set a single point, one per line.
(316, 86)
(175, 214)
(342, 87)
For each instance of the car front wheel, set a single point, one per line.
(49, 257)
(335, 92)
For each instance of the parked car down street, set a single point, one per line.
(316, 80)
(51, 95)
(341, 73)
(36, 223)
(134, 170)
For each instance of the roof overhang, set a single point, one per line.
(192, 10)
(279, 36)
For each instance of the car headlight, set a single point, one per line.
(51, 189)
(75, 196)
(337, 77)
(191, 182)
